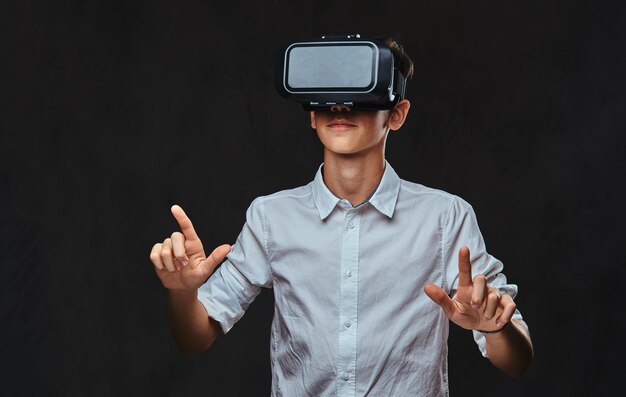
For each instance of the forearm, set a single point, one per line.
(511, 349)
(193, 330)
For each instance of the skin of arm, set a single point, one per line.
(193, 329)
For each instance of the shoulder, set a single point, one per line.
(421, 191)
(417, 191)
(287, 197)
(435, 199)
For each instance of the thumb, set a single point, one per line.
(439, 296)
(216, 257)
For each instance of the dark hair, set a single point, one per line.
(400, 58)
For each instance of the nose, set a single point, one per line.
(340, 108)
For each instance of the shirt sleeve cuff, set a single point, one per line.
(227, 295)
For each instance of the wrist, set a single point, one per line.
(182, 295)
(495, 331)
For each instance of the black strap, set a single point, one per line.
(399, 83)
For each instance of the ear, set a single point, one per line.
(313, 120)
(398, 114)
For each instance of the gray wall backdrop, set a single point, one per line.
(114, 110)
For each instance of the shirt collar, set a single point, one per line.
(384, 198)
(386, 195)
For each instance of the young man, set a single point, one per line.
(366, 270)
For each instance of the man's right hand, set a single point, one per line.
(180, 261)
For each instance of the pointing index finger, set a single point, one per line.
(465, 268)
(185, 223)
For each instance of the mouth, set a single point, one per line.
(340, 124)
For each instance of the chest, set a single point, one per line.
(398, 255)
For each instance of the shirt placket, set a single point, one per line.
(348, 302)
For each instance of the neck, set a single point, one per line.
(353, 178)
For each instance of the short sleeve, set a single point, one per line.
(461, 229)
(229, 291)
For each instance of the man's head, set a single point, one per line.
(346, 131)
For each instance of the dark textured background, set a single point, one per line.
(114, 110)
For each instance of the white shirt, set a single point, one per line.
(350, 314)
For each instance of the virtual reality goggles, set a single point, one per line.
(340, 70)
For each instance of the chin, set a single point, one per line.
(342, 150)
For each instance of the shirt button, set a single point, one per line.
(348, 324)
(349, 273)
(351, 225)
(345, 376)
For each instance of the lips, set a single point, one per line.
(341, 123)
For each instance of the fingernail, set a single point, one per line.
(184, 262)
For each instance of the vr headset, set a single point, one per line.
(339, 70)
